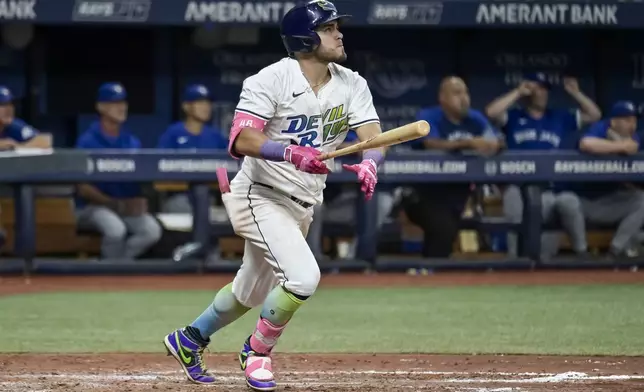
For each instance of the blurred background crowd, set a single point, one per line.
(487, 91)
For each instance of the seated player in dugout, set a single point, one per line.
(437, 208)
(613, 203)
(193, 133)
(118, 211)
(534, 126)
(14, 132)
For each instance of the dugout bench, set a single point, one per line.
(490, 221)
(57, 234)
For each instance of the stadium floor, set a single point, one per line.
(333, 372)
(136, 372)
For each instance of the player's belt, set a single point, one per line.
(295, 199)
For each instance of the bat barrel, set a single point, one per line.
(408, 132)
(423, 128)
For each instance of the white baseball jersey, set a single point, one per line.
(281, 95)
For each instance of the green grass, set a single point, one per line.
(583, 320)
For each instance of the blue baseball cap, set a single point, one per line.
(6, 96)
(538, 77)
(111, 92)
(624, 109)
(196, 92)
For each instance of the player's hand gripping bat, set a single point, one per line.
(395, 136)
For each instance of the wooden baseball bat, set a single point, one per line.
(392, 137)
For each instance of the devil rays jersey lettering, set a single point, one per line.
(281, 95)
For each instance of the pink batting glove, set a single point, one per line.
(367, 175)
(304, 159)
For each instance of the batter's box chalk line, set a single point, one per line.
(486, 389)
(569, 377)
(22, 386)
(408, 372)
(524, 378)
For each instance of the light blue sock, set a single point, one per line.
(224, 310)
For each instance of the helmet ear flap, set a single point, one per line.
(302, 44)
(314, 41)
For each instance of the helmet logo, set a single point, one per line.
(325, 5)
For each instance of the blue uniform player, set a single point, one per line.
(533, 122)
(535, 126)
(14, 132)
(614, 203)
(437, 208)
(117, 210)
(193, 133)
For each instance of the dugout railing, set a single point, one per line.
(149, 166)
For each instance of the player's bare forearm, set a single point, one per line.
(595, 145)
(494, 144)
(253, 143)
(249, 143)
(368, 131)
(497, 108)
(7, 143)
(39, 141)
(590, 112)
(488, 146)
(502, 145)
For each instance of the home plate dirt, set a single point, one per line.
(337, 372)
(131, 372)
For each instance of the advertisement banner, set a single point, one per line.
(99, 11)
(447, 13)
(23, 10)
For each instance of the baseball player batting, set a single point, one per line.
(288, 115)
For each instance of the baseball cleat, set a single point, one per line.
(258, 369)
(189, 355)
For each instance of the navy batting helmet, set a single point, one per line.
(299, 24)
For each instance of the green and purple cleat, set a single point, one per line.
(189, 354)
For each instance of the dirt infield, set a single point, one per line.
(16, 285)
(136, 372)
(132, 372)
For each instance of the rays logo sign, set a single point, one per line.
(393, 77)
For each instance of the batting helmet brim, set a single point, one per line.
(339, 18)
